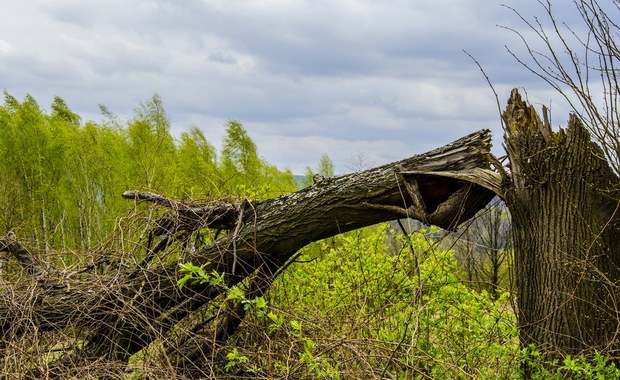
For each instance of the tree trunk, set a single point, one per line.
(119, 315)
(563, 199)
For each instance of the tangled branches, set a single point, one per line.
(120, 304)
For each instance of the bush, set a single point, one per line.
(580, 367)
(354, 308)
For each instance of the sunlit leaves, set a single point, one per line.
(62, 177)
(324, 169)
(360, 298)
(198, 275)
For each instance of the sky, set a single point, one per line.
(364, 81)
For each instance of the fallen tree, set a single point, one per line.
(562, 194)
(74, 318)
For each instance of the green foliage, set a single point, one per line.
(359, 306)
(580, 367)
(198, 275)
(197, 163)
(239, 150)
(244, 174)
(151, 148)
(234, 359)
(61, 110)
(325, 169)
(239, 157)
(62, 178)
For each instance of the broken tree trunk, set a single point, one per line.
(563, 199)
(116, 316)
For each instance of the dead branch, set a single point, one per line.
(188, 217)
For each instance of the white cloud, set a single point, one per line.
(5, 47)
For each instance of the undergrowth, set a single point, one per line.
(356, 307)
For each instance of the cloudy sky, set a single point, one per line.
(364, 81)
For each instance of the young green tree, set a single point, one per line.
(239, 159)
(244, 173)
(197, 165)
(60, 110)
(98, 164)
(151, 148)
(484, 249)
(31, 160)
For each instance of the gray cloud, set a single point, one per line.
(361, 80)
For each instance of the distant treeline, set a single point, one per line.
(62, 177)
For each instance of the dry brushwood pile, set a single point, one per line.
(108, 309)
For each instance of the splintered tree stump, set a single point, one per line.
(563, 200)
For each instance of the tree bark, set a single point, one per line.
(119, 315)
(563, 199)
